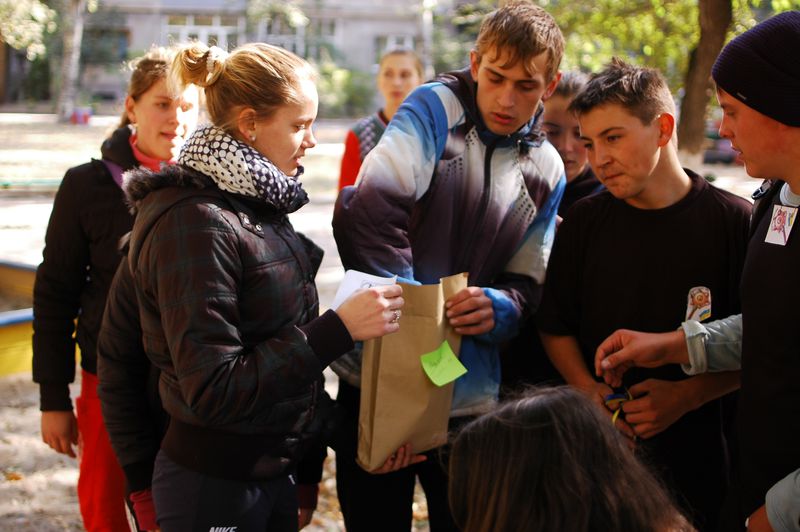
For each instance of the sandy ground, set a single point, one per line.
(37, 486)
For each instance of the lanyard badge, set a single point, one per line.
(780, 225)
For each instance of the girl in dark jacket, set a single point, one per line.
(80, 257)
(227, 301)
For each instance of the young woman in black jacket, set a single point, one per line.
(226, 298)
(80, 257)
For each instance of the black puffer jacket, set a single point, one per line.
(228, 311)
(128, 384)
(80, 257)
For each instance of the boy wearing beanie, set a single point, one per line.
(758, 87)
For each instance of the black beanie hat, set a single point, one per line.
(760, 68)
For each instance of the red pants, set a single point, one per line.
(101, 484)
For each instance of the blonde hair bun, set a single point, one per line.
(258, 76)
(199, 64)
(215, 63)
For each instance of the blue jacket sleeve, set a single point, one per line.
(371, 220)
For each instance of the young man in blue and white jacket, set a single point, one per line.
(462, 181)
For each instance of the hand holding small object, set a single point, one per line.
(625, 349)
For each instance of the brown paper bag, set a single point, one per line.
(399, 403)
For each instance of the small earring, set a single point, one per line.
(252, 138)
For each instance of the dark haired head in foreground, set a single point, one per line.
(551, 461)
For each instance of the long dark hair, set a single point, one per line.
(552, 461)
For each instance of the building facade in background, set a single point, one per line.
(351, 33)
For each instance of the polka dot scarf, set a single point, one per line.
(238, 168)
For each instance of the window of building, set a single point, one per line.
(103, 46)
(228, 20)
(320, 37)
(176, 20)
(224, 31)
(277, 31)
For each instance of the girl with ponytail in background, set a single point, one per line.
(80, 257)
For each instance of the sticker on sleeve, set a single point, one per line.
(781, 224)
(698, 304)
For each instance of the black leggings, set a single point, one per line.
(186, 500)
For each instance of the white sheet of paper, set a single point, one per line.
(353, 280)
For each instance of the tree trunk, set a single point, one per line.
(72, 27)
(715, 18)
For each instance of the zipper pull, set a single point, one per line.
(762, 190)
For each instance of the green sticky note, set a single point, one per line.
(442, 366)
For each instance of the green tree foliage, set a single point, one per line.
(656, 33)
(454, 34)
(663, 34)
(289, 10)
(659, 34)
(24, 25)
(343, 92)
